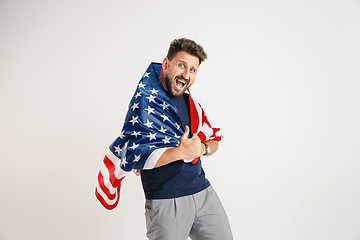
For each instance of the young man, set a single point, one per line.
(180, 201)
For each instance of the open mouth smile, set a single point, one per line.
(179, 84)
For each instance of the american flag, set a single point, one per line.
(151, 126)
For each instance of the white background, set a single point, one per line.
(282, 81)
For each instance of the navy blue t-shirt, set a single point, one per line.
(178, 178)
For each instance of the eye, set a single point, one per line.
(181, 65)
(192, 70)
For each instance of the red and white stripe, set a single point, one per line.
(109, 181)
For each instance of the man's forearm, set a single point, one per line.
(213, 145)
(179, 153)
(168, 156)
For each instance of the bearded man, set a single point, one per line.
(166, 132)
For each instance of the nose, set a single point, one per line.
(185, 74)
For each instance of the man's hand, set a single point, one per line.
(190, 148)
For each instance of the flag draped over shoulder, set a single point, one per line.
(151, 126)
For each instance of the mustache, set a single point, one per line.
(182, 78)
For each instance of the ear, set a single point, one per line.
(165, 63)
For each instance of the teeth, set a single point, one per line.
(183, 83)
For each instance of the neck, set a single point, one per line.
(162, 80)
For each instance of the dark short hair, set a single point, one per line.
(188, 46)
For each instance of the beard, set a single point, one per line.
(171, 81)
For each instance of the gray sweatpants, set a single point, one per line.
(200, 216)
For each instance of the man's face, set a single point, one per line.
(179, 73)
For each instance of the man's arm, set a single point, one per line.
(189, 148)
